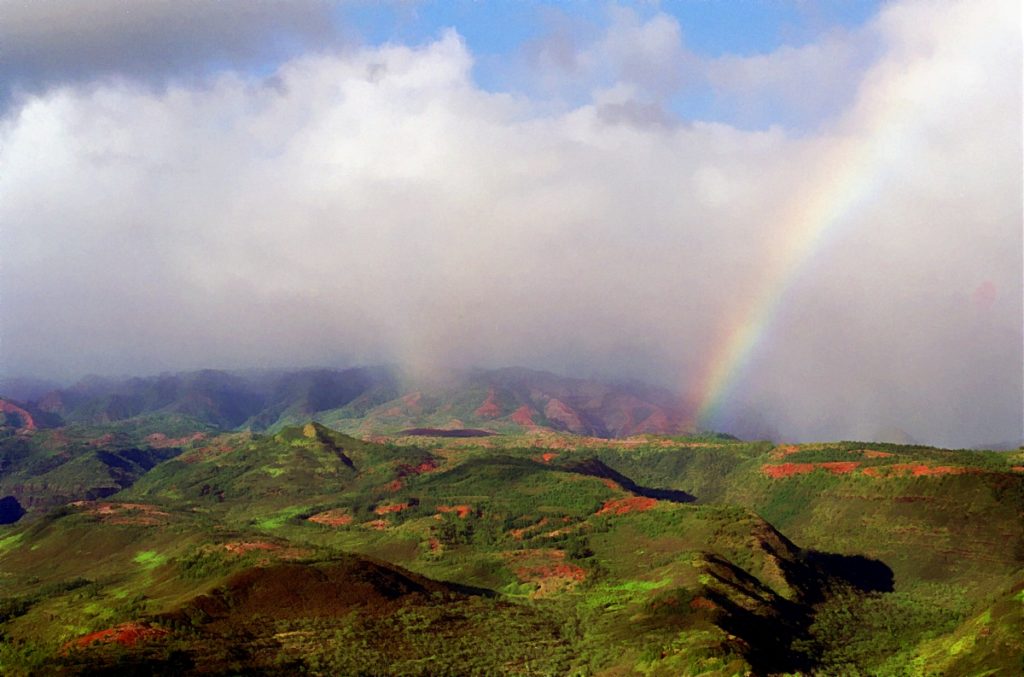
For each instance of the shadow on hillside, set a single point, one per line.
(776, 629)
(863, 573)
(596, 468)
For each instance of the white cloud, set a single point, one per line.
(379, 205)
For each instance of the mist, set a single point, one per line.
(338, 204)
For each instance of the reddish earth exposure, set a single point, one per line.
(337, 517)
(519, 533)
(561, 570)
(556, 410)
(462, 511)
(27, 422)
(565, 530)
(404, 470)
(1017, 468)
(622, 506)
(545, 568)
(393, 485)
(390, 508)
(490, 408)
(126, 634)
(840, 467)
(785, 450)
(872, 453)
(379, 525)
(918, 470)
(610, 483)
(657, 423)
(548, 456)
(783, 470)
(140, 514)
(242, 547)
(702, 603)
(787, 469)
(523, 416)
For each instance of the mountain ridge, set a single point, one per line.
(370, 400)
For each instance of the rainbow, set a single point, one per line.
(853, 170)
(808, 225)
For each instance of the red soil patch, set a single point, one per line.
(404, 470)
(378, 525)
(242, 547)
(840, 467)
(783, 470)
(519, 533)
(787, 469)
(523, 416)
(548, 456)
(918, 470)
(784, 451)
(622, 506)
(872, 453)
(702, 603)
(337, 517)
(556, 410)
(462, 511)
(27, 422)
(434, 544)
(490, 408)
(126, 634)
(141, 514)
(657, 423)
(944, 470)
(548, 553)
(1017, 468)
(546, 568)
(390, 508)
(393, 485)
(565, 530)
(562, 570)
(610, 483)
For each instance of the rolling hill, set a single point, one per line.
(168, 543)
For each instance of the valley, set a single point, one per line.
(162, 543)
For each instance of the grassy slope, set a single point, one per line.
(674, 588)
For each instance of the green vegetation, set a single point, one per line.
(308, 551)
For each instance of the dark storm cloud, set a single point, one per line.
(47, 42)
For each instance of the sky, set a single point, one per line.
(804, 217)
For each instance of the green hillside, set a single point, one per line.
(311, 551)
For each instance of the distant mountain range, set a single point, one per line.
(364, 400)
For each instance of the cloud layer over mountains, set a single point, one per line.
(366, 204)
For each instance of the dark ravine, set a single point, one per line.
(596, 468)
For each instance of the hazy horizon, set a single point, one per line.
(807, 215)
